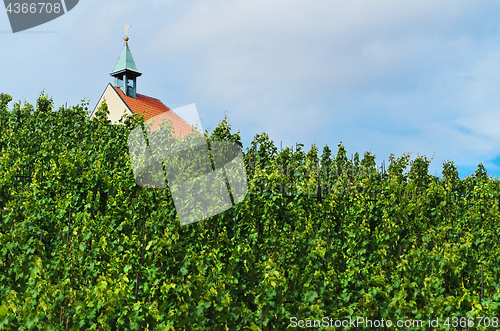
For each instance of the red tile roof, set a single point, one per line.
(152, 107)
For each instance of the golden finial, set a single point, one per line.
(126, 31)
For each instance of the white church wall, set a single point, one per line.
(116, 106)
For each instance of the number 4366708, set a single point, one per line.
(471, 321)
(33, 8)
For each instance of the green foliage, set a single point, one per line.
(80, 239)
(223, 133)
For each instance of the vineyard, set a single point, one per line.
(318, 236)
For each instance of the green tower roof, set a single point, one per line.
(126, 63)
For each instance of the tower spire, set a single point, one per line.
(126, 72)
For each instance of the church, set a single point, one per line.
(123, 95)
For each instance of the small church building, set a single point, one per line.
(123, 96)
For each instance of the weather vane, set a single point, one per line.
(126, 31)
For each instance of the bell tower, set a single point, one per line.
(126, 72)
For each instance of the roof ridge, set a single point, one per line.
(147, 96)
(143, 95)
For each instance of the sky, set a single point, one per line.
(386, 76)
